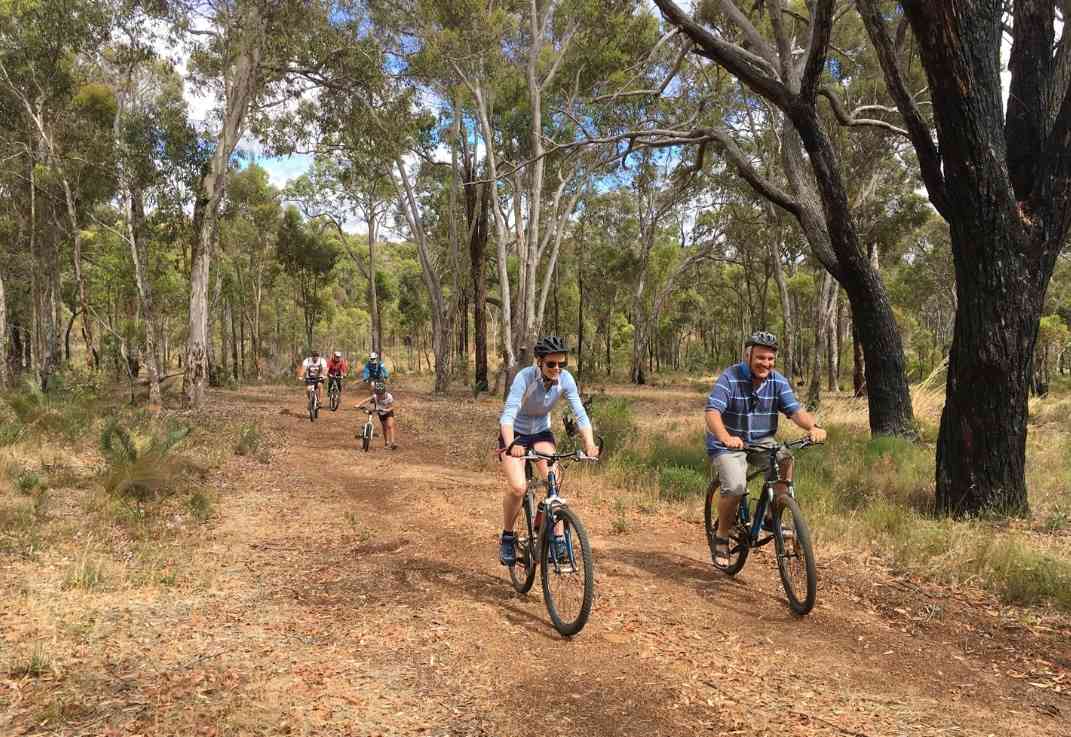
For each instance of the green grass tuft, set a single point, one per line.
(249, 438)
(677, 483)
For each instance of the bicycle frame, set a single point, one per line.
(550, 501)
(766, 497)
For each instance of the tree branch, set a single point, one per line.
(741, 21)
(753, 70)
(821, 30)
(653, 92)
(1030, 64)
(848, 119)
(918, 131)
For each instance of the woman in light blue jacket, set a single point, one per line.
(526, 420)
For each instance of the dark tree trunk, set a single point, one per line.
(235, 340)
(478, 206)
(1002, 180)
(580, 314)
(981, 446)
(889, 400)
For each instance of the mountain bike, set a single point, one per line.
(334, 391)
(314, 399)
(555, 536)
(790, 535)
(368, 431)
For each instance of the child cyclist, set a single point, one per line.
(526, 420)
(382, 403)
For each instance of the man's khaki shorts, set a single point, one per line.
(732, 467)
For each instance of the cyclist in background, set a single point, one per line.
(742, 410)
(383, 404)
(374, 370)
(526, 419)
(313, 371)
(337, 368)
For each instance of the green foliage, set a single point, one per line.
(612, 419)
(68, 409)
(681, 452)
(26, 481)
(676, 483)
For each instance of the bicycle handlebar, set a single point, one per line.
(535, 455)
(804, 442)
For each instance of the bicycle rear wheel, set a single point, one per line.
(569, 575)
(739, 545)
(522, 573)
(795, 556)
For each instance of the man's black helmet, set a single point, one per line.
(762, 338)
(550, 344)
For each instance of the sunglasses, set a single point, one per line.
(555, 364)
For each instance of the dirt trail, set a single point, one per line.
(359, 594)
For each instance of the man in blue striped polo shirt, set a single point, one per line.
(742, 409)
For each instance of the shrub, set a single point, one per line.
(1023, 575)
(67, 409)
(141, 475)
(24, 479)
(248, 440)
(612, 418)
(10, 433)
(86, 574)
(201, 505)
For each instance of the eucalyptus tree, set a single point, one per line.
(242, 51)
(1002, 180)
(308, 256)
(791, 83)
(43, 61)
(525, 68)
(249, 224)
(157, 156)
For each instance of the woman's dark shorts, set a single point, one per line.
(528, 441)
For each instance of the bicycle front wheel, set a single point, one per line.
(522, 573)
(334, 400)
(366, 438)
(795, 556)
(739, 545)
(312, 406)
(568, 572)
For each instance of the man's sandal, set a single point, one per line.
(721, 552)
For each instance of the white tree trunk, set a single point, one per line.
(440, 313)
(240, 88)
